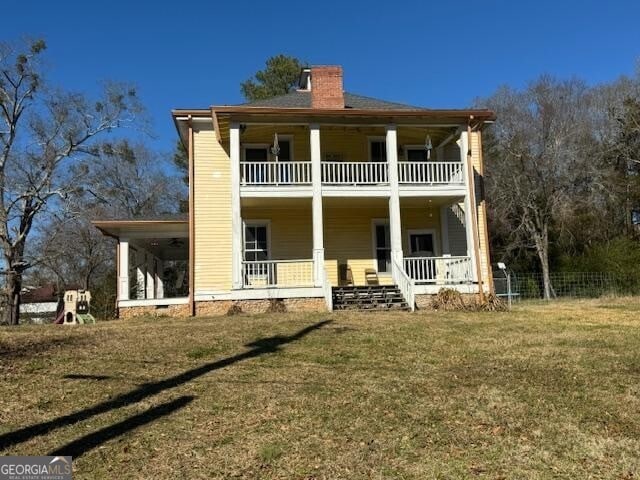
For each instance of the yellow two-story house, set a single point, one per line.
(317, 199)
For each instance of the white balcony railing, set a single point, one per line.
(354, 173)
(431, 172)
(439, 270)
(275, 173)
(350, 173)
(277, 273)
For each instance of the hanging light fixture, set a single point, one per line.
(428, 146)
(275, 149)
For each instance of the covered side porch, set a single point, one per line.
(152, 261)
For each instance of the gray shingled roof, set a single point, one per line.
(302, 99)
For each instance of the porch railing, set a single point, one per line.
(405, 284)
(439, 270)
(431, 172)
(277, 273)
(354, 173)
(275, 173)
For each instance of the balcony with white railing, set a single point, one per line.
(439, 270)
(355, 173)
(343, 174)
(434, 173)
(275, 173)
(277, 273)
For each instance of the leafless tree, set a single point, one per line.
(536, 161)
(47, 136)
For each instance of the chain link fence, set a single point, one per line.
(565, 285)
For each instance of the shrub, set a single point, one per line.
(448, 299)
(234, 309)
(276, 305)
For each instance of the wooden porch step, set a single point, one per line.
(369, 297)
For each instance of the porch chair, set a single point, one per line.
(371, 276)
(345, 274)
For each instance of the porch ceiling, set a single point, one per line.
(276, 202)
(164, 248)
(418, 202)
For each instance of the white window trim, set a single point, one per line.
(257, 223)
(372, 139)
(374, 246)
(422, 231)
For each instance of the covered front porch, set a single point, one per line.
(277, 247)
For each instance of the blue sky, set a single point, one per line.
(435, 54)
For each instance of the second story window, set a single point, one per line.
(377, 150)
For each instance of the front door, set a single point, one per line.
(422, 244)
(284, 172)
(256, 253)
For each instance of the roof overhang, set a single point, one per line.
(182, 118)
(142, 228)
(222, 116)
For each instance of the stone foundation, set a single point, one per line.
(221, 307)
(154, 311)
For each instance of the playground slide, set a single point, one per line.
(85, 318)
(60, 318)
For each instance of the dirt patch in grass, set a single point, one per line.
(545, 391)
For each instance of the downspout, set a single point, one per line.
(473, 212)
(192, 241)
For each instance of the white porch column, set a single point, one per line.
(141, 274)
(123, 268)
(463, 143)
(444, 229)
(151, 277)
(236, 218)
(395, 223)
(159, 279)
(316, 206)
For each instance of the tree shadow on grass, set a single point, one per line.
(82, 445)
(86, 376)
(258, 347)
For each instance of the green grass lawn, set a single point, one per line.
(544, 391)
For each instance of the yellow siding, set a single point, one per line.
(290, 230)
(212, 204)
(263, 134)
(481, 209)
(351, 144)
(348, 237)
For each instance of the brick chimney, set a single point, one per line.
(326, 87)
